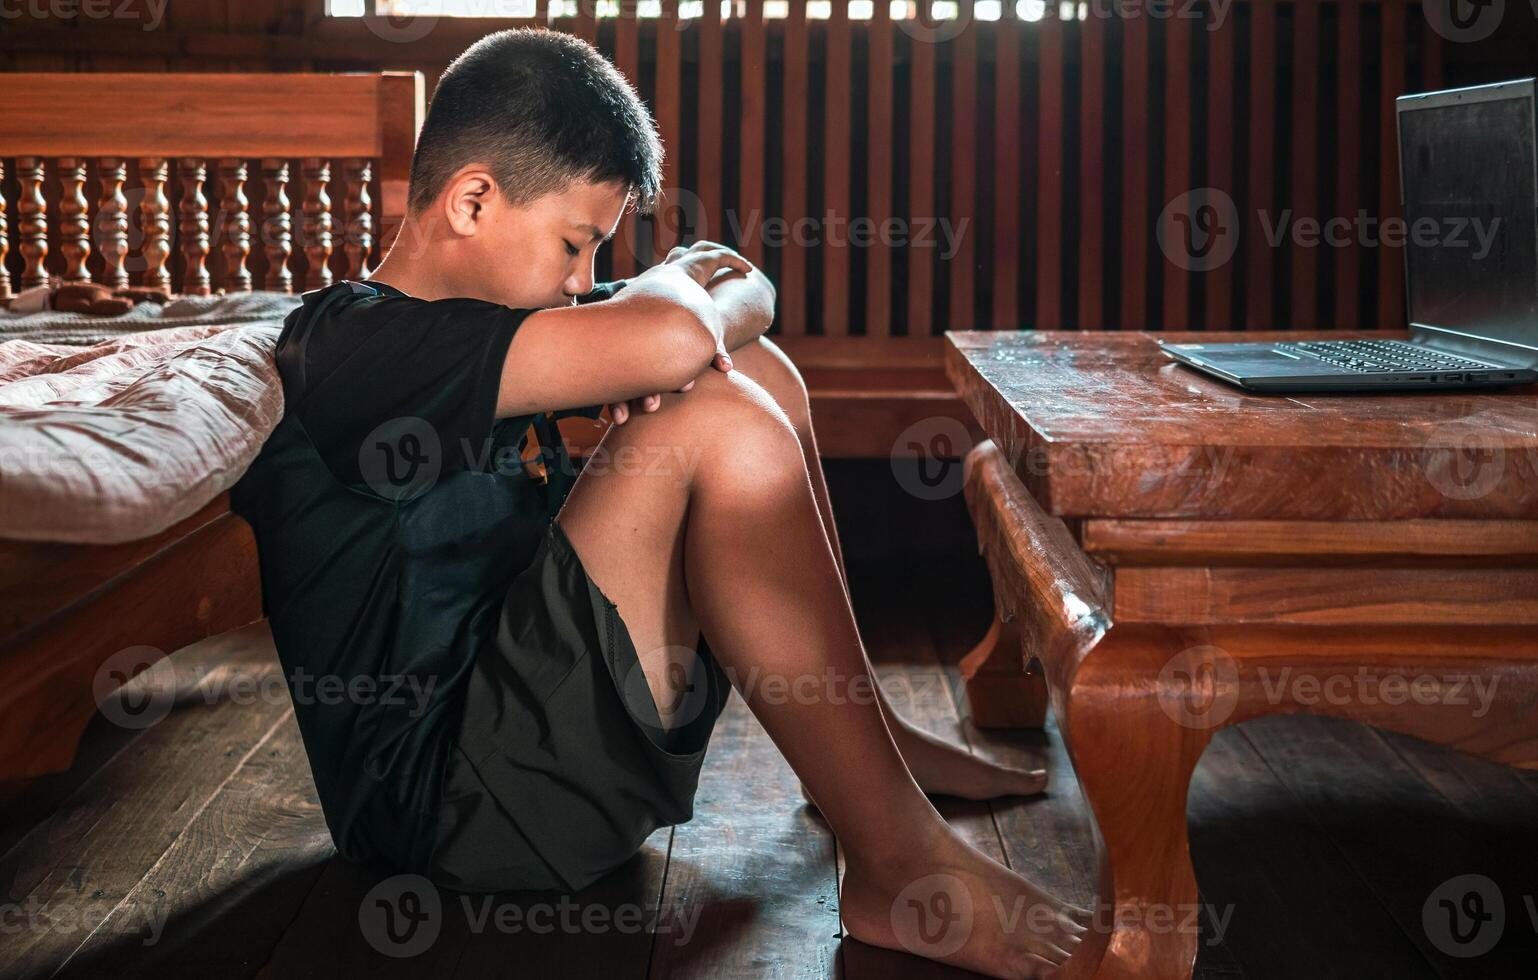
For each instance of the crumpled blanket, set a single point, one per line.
(122, 439)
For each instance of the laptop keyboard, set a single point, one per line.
(1368, 356)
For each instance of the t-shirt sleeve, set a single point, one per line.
(603, 291)
(385, 394)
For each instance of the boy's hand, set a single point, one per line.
(703, 260)
(700, 262)
(620, 411)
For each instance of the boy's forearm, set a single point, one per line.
(680, 316)
(746, 305)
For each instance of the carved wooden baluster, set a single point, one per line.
(277, 227)
(112, 222)
(5, 240)
(360, 218)
(317, 223)
(194, 229)
(237, 226)
(74, 222)
(32, 223)
(156, 212)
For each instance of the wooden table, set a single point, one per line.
(1178, 555)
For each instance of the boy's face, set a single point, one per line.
(541, 254)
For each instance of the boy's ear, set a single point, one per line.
(465, 197)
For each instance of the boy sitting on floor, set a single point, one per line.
(521, 684)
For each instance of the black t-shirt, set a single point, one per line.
(392, 510)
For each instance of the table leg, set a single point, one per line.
(1134, 753)
(1003, 689)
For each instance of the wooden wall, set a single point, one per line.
(1049, 149)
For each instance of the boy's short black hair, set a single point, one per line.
(540, 110)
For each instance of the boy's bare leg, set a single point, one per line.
(937, 765)
(728, 540)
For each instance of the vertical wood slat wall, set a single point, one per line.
(1056, 142)
(1053, 145)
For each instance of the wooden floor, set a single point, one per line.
(197, 848)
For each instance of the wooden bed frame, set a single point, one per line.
(66, 609)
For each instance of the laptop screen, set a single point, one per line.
(1470, 186)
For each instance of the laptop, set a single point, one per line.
(1468, 169)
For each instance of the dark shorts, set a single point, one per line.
(561, 768)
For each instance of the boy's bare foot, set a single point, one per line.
(963, 908)
(939, 766)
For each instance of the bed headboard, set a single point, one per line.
(198, 183)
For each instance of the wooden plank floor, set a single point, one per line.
(197, 847)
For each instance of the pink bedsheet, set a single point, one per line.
(122, 439)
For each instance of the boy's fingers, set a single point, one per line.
(721, 362)
(724, 251)
(737, 261)
(687, 386)
(703, 264)
(727, 259)
(618, 412)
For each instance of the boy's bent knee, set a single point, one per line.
(748, 436)
(764, 362)
(727, 426)
(731, 400)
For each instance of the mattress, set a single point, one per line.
(120, 439)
